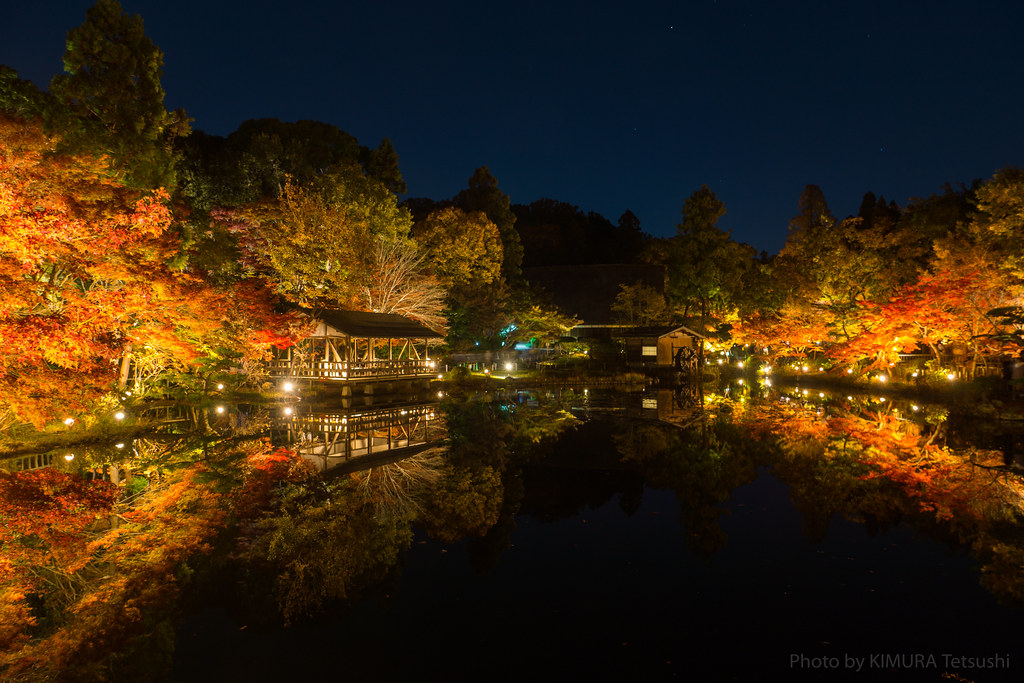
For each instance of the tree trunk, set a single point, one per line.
(126, 362)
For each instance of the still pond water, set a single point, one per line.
(639, 541)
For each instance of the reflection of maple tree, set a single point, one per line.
(43, 518)
(123, 580)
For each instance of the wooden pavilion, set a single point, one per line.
(356, 346)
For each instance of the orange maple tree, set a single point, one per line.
(85, 281)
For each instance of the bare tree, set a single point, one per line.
(395, 283)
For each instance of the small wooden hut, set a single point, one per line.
(661, 346)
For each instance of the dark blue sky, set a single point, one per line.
(607, 105)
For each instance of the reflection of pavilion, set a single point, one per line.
(330, 437)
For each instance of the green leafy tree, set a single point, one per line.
(999, 222)
(463, 248)
(316, 244)
(705, 266)
(382, 163)
(484, 195)
(19, 98)
(639, 304)
(111, 98)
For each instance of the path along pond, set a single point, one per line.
(741, 534)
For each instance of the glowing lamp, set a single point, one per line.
(220, 409)
(69, 457)
(287, 411)
(288, 386)
(119, 415)
(508, 367)
(69, 421)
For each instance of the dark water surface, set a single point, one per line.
(599, 581)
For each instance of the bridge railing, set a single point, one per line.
(354, 370)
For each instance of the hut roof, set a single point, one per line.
(659, 331)
(375, 325)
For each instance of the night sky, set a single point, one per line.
(609, 106)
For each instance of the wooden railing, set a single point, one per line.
(354, 421)
(30, 462)
(354, 370)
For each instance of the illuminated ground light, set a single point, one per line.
(767, 382)
(508, 367)
(951, 377)
(881, 399)
(849, 371)
(740, 365)
(740, 380)
(69, 421)
(821, 394)
(805, 368)
(220, 387)
(119, 415)
(441, 376)
(719, 361)
(220, 409)
(440, 394)
(288, 386)
(915, 408)
(69, 457)
(287, 411)
(118, 445)
(882, 378)
(915, 374)
(805, 392)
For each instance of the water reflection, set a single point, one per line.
(479, 473)
(330, 437)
